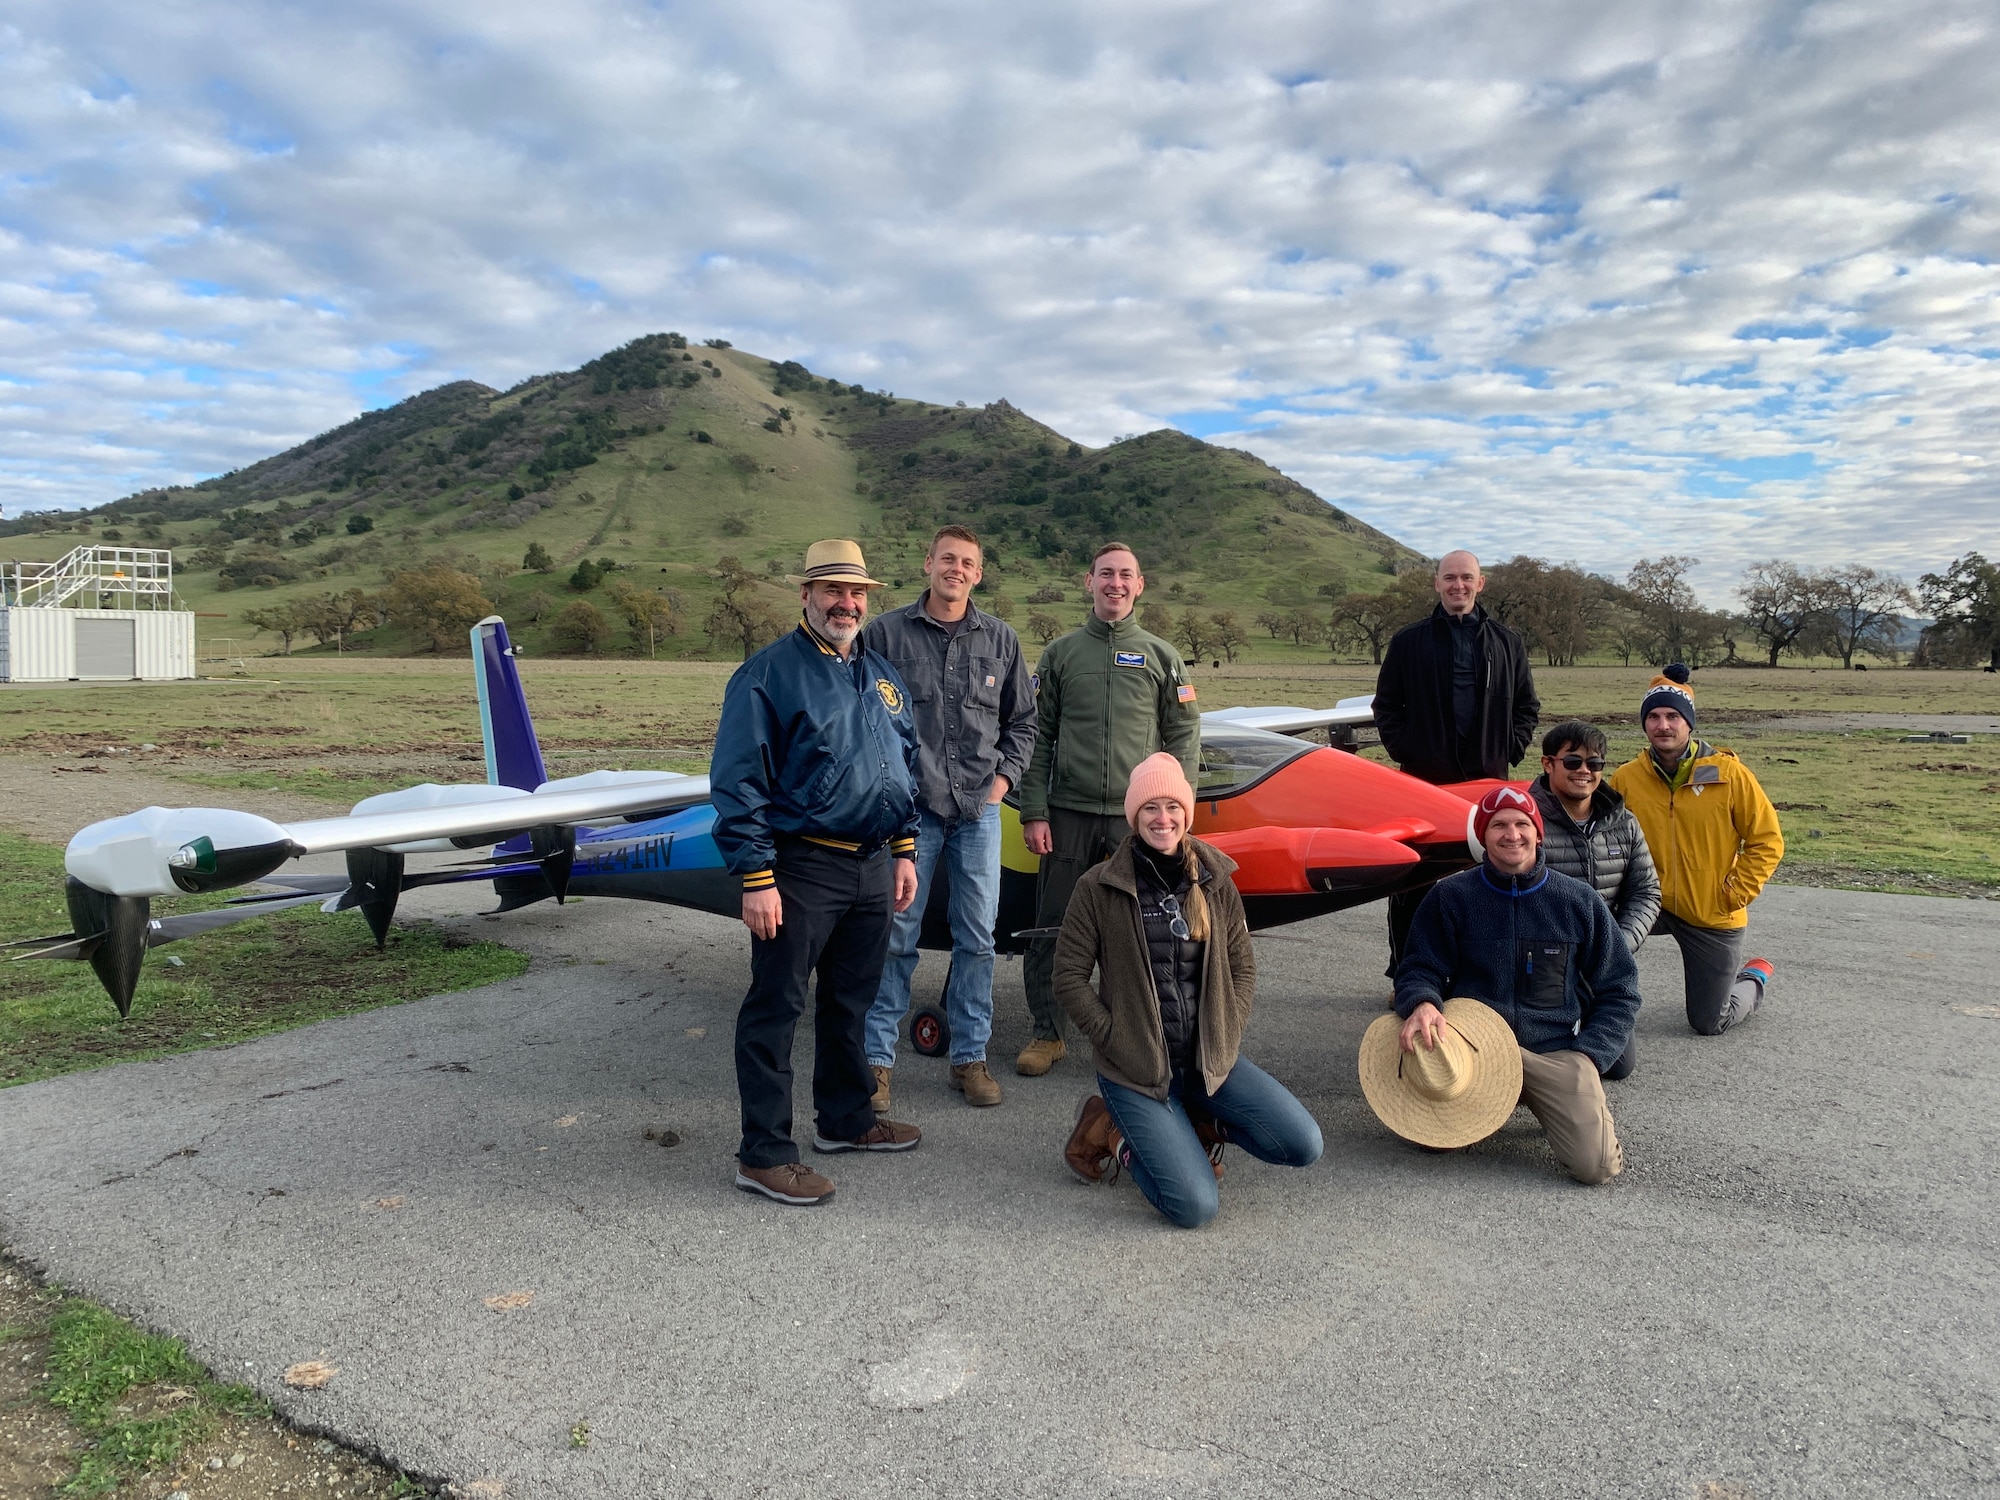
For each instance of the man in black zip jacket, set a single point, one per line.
(1542, 950)
(1454, 701)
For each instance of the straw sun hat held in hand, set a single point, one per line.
(1458, 1092)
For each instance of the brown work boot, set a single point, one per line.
(1039, 1056)
(790, 1182)
(1212, 1140)
(880, 1102)
(884, 1135)
(1093, 1145)
(972, 1080)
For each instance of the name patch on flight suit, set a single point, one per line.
(1129, 658)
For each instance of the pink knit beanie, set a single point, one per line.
(1158, 775)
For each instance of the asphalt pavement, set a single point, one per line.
(1790, 1292)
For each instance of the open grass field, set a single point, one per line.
(1888, 814)
(316, 706)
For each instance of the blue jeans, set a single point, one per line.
(1251, 1109)
(970, 852)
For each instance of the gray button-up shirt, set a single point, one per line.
(975, 707)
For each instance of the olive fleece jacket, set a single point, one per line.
(1102, 931)
(1106, 697)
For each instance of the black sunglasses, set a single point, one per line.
(1578, 762)
(1176, 923)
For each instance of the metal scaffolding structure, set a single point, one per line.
(131, 578)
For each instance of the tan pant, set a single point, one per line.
(1567, 1096)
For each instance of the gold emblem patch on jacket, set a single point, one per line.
(892, 697)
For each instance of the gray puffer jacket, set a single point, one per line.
(1608, 853)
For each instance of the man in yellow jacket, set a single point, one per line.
(1715, 840)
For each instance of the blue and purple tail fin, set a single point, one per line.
(513, 755)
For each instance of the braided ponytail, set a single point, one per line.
(1196, 906)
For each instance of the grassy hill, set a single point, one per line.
(665, 459)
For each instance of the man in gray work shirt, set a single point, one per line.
(975, 713)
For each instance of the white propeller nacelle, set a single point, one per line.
(164, 851)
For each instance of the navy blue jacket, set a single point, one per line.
(814, 747)
(1542, 949)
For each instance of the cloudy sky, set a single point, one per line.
(1581, 280)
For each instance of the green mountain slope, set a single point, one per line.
(665, 459)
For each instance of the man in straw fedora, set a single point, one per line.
(813, 782)
(1516, 987)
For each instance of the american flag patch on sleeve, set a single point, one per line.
(1185, 693)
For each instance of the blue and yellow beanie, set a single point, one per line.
(1669, 690)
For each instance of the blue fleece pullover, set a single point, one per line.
(1541, 949)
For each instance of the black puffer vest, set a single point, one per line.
(1176, 962)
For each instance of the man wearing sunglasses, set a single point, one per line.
(1593, 837)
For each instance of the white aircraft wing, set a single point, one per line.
(1347, 713)
(162, 851)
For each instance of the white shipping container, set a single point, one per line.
(96, 645)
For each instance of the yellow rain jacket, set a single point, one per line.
(1713, 834)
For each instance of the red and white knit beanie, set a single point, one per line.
(1505, 799)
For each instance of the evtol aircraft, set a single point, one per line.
(1312, 828)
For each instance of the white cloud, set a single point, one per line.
(1576, 280)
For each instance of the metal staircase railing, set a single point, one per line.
(138, 573)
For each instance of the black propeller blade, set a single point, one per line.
(193, 923)
(323, 885)
(375, 880)
(121, 923)
(555, 848)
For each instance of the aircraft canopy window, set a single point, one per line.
(1233, 758)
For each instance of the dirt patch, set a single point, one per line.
(1903, 882)
(43, 798)
(256, 1458)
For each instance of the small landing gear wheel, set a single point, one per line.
(930, 1033)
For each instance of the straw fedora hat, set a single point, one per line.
(1458, 1092)
(835, 562)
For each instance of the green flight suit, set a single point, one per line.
(1106, 697)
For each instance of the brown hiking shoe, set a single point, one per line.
(885, 1135)
(1039, 1056)
(1212, 1140)
(972, 1080)
(880, 1102)
(790, 1182)
(1092, 1150)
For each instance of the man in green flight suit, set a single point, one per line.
(1107, 695)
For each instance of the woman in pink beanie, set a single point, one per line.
(1161, 926)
